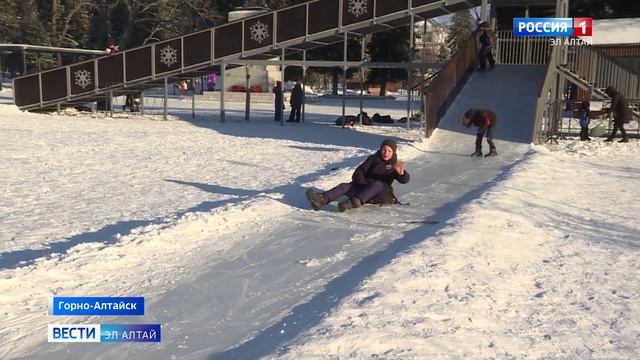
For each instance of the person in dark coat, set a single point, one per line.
(485, 120)
(370, 183)
(485, 43)
(621, 113)
(584, 121)
(297, 96)
(279, 104)
(132, 101)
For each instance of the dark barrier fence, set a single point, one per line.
(442, 89)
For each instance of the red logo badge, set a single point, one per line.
(582, 26)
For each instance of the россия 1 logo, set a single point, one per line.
(552, 27)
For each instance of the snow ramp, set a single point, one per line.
(284, 267)
(511, 91)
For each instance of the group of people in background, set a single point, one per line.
(619, 111)
(485, 119)
(296, 100)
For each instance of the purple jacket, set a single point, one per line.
(375, 169)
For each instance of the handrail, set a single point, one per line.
(421, 83)
(544, 95)
(17, 47)
(511, 49)
(601, 71)
(616, 61)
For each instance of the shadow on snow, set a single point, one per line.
(304, 316)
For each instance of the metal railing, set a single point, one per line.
(547, 110)
(521, 50)
(439, 92)
(602, 71)
(570, 124)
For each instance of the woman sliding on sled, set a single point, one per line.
(371, 182)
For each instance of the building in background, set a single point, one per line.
(430, 42)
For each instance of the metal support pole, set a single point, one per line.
(344, 77)
(111, 103)
(410, 71)
(423, 95)
(304, 84)
(141, 102)
(60, 59)
(361, 79)
(483, 10)
(38, 60)
(24, 62)
(247, 105)
(223, 90)
(282, 67)
(409, 85)
(193, 98)
(166, 98)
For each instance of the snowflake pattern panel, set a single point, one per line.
(357, 10)
(258, 32)
(168, 56)
(82, 78)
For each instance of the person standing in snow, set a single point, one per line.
(279, 103)
(621, 113)
(584, 121)
(486, 121)
(371, 181)
(484, 37)
(297, 97)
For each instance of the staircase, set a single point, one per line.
(593, 71)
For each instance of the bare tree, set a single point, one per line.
(63, 14)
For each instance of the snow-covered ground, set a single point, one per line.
(533, 254)
(616, 31)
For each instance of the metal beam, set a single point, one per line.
(350, 64)
(20, 47)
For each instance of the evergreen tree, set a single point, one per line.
(334, 52)
(389, 46)
(604, 9)
(9, 26)
(460, 29)
(443, 53)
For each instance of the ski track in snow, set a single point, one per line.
(561, 282)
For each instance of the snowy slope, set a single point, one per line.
(233, 263)
(544, 265)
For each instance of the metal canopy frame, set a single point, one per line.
(319, 23)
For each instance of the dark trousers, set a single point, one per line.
(584, 132)
(295, 114)
(364, 192)
(277, 115)
(484, 56)
(489, 134)
(618, 124)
